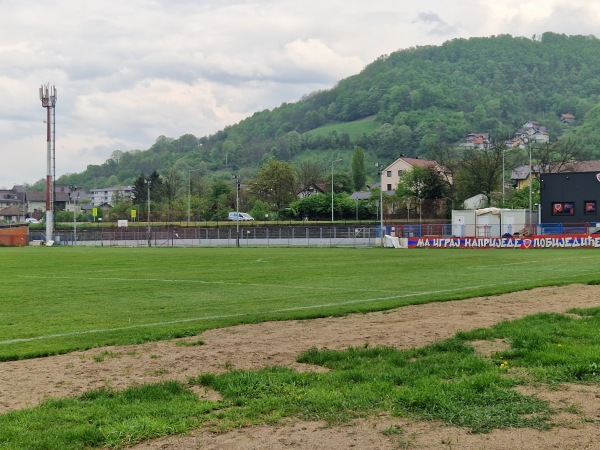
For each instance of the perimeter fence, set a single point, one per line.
(346, 235)
(289, 236)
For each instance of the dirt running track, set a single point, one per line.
(27, 383)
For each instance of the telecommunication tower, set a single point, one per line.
(48, 98)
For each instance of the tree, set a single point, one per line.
(172, 185)
(140, 188)
(222, 197)
(308, 175)
(520, 198)
(422, 183)
(275, 184)
(138, 192)
(342, 182)
(558, 156)
(359, 176)
(480, 172)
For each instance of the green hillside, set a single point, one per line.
(414, 101)
(354, 129)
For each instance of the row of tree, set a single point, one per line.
(281, 190)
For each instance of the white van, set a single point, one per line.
(242, 216)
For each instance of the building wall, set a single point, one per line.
(570, 197)
(390, 176)
(15, 236)
(105, 196)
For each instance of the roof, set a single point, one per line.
(415, 162)
(361, 195)
(13, 210)
(584, 166)
(40, 196)
(112, 189)
(420, 162)
(522, 172)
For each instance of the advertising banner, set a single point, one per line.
(562, 241)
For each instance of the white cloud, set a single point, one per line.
(128, 72)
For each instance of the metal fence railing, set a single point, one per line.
(289, 236)
(301, 235)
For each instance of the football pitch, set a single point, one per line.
(60, 299)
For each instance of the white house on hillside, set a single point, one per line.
(390, 176)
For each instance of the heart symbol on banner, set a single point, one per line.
(526, 243)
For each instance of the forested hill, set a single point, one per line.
(412, 101)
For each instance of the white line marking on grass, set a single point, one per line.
(222, 283)
(229, 316)
(521, 263)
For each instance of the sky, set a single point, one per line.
(127, 72)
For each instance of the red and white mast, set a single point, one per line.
(48, 98)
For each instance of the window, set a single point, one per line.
(589, 207)
(389, 173)
(389, 187)
(563, 209)
(399, 172)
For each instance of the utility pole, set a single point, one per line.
(380, 170)
(237, 209)
(148, 182)
(334, 161)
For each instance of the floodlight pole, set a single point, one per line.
(48, 96)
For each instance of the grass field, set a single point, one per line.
(56, 300)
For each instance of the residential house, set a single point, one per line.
(361, 195)
(477, 140)
(106, 196)
(11, 197)
(520, 175)
(12, 214)
(77, 197)
(532, 133)
(307, 191)
(13, 205)
(567, 119)
(36, 201)
(390, 176)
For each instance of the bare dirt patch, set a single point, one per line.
(27, 383)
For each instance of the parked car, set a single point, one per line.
(242, 216)
(31, 220)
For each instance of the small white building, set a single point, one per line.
(489, 222)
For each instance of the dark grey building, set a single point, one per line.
(570, 197)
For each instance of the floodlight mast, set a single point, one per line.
(48, 96)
